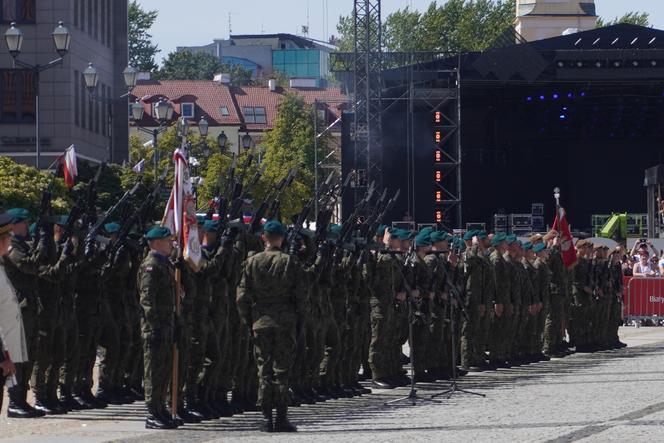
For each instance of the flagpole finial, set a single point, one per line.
(556, 195)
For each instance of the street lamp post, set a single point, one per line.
(163, 111)
(221, 142)
(91, 78)
(246, 141)
(14, 40)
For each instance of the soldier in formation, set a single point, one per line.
(280, 317)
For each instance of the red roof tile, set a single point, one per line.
(210, 97)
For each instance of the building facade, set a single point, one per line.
(264, 55)
(235, 110)
(68, 114)
(540, 19)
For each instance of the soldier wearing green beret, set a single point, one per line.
(543, 287)
(269, 299)
(23, 264)
(503, 284)
(156, 285)
(420, 279)
(116, 323)
(438, 359)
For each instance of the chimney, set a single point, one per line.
(272, 84)
(222, 78)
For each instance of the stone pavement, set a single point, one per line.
(606, 396)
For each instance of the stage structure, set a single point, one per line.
(583, 112)
(367, 72)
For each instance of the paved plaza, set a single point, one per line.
(607, 396)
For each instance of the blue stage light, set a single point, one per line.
(570, 95)
(582, 94)
(564, 108)
(555, 96)
(529, 99)
(563, 116)
(541, 97)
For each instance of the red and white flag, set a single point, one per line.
(180, 213)
(70, 169)
(567, 248)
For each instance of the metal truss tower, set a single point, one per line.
(367, 66)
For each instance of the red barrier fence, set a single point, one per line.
(644, 297)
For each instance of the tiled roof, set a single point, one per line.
(258, 96)
(209, 97)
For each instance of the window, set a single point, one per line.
(255, 115)
(89, 17)
(95, 29)
(77, 6)
(18, 96)
(103, 22)
(19, 11)
(104, 122)
(224, 111)
(77, 105)
(187, 110)
(83, 101)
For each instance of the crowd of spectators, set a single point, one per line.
(644, 260)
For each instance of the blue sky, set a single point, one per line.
(197, 22)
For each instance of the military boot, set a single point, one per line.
(281, 424)
(267, 424)
(18, 407)
(187, 417)
(222, 405)
(157, 420)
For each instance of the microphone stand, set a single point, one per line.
(454, 387)
(412, 396)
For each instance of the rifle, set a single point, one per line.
(275, 205)
(139, 216)
(377, 221)
(43, 215)
(240, 193)
(266, 207)
(306, 210)
(85, 208)
(222, 199)
(348, 225)
(120, 206)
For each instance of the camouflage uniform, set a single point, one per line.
(580, 315)
(553, 334)
(500, 326)
(270, 300)
(156, 286)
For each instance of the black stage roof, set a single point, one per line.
(583, 111)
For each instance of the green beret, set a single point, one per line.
(404, 234)
(61, 220)
(274, 227)
(468, 236)
(394, 233)
(426, 231)
(510, 239)
(482, 234)
(498, 239)
(18, 215)
(539, 247)
(422, 240)
(527, 246)
(381, 230)
(112, 228)
(211, 225)
(200, 219)
(411, 235)
(157, 233)
(333, 231)
(437, 236)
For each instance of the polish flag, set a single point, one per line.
(70, 169)
(180, 213)
(567, 248)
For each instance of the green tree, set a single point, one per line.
(631, 18)
(290, 143)
(142, 51)
(456, 25)
(188, 65)
(22, 186)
